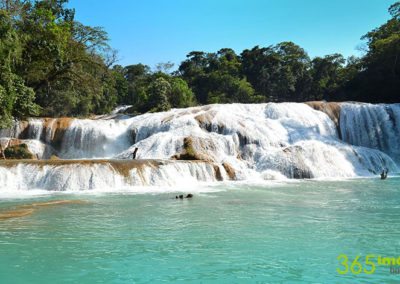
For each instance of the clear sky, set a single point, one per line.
(153, 31)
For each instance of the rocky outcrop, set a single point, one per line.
(197, 149)
(230, 171)
(37, 148)
(207, 122)
(50, 130)
(19, 151)
(15, 149)
(332, 109)
(205, 119)
(294, 166)
(55, 129)
(218, 174)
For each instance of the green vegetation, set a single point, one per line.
(52, 65)
(20, 151)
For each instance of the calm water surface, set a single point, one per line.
(282, 233)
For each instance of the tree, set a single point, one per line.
(52, 65)
(379, 76)
(278, 73)
(294, 67)
(216, 77)
(65, 62)
(327, 75)
(180, 94)
(158, 95)
(16, 99)
(394, 10)
(164, 67)
(121, 84)
(138, 78)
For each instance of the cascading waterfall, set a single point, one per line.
(95, 139)
(64, 175)
(372, 126)
(235, 141)
(36, 128)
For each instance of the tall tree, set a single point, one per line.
(379, 77)
(327, 76)
(16, 99)
(278, 73)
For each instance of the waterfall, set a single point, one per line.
(101, 174)
(35, 129)
(120, 109)
(235, 141)
(372, 126)
(95, 139)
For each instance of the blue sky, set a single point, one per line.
(153, 31)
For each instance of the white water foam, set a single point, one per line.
(259, 141)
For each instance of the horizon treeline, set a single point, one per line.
(52, 65)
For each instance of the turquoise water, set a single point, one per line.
(282, 233)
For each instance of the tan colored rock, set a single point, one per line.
(229, 170)
(205, 118)
(55, 128)
(196, 148)
(23, 128)
(217, 172)
(332, 109)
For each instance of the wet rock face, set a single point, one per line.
(50, 130)
(296, 167)
(332, 109)
(21, 130)
(301, 173)
(207, 123)
(54, 131)
(218, 174)
(230, 171)
(195, 148)
(15, 149)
